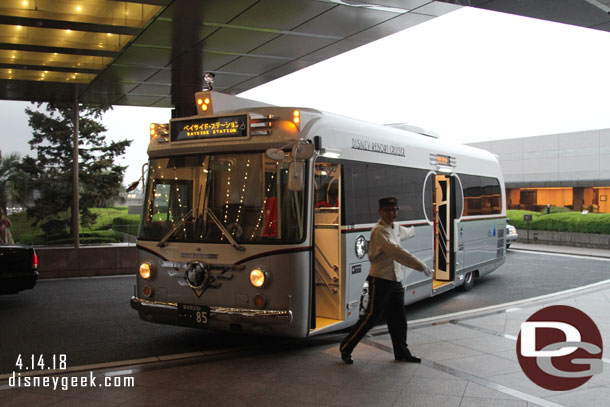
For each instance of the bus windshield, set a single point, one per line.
(205, 197)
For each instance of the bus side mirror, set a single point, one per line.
(132, 186)
(302, 151)
(296, 176)
(275, 154)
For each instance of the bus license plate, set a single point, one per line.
(198, 314)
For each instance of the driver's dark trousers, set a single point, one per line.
(386, 299)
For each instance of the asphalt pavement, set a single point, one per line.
(468, 359)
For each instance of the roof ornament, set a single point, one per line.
(209, 80)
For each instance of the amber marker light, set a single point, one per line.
(296, 117)
(145, 271)
(258, 277)
(259, 301)
(147, 291)
(203, 103)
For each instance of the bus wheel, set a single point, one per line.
(468, 281)
(364, 299)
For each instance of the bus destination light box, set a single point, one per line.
(209, 128)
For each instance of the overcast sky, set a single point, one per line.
(470, 75)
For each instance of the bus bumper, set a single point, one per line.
(168, 312)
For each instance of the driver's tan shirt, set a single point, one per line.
(387, 255)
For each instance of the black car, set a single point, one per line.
(18, 269)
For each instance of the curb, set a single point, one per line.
(561, 251)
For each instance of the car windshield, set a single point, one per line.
(204, 198)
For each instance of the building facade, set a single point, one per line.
(568, 170)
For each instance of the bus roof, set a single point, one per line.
(340, 136)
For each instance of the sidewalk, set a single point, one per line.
(580, 251)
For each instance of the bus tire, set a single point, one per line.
(468, 281)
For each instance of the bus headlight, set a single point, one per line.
(258, 277)
(146, 271)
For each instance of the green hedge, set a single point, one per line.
(127, 224)
(561, 221)
(23, 231)
(109, 222)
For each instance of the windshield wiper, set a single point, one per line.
(224, 230)
(173, 230)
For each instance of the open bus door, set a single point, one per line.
(327, 307)
(444, 215)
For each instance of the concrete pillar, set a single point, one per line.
(75, 195)
(578, 198)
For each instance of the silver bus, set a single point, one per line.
(256, 218)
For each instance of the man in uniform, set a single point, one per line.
(387, 257)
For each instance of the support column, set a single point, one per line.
(186, 69)
(75, 194)
(578, 198)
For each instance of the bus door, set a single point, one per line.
(443, 201)
(328, 280)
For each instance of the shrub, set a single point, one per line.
(25, 233)
(127, 224)
(55, 227)
(562, 221)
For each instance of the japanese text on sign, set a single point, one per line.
(210, 127)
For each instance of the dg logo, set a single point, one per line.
(560, 348)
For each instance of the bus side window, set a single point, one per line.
(332, 194)
(326, 185)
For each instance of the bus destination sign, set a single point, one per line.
(210, 127)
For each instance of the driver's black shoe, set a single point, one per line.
(407, 357)
(347, 358)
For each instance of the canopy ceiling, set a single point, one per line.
(155, 52)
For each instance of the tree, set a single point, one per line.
(8, 171)
(51, 170)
